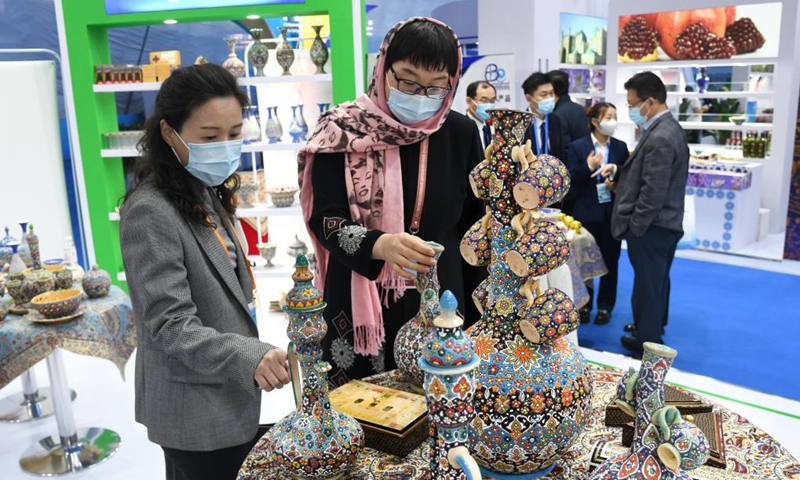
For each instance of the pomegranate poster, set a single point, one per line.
(737, 32)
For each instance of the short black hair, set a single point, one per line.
(426, 45)
(472, 88)
(534, 81)
(647, 85)
(560, 82)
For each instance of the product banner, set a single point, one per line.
(738, 32)
(791, 250)
(583, 40)
(139, 6)
(495, 69)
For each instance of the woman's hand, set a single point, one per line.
(607, 171)
(403, 251)
(273, 370)
(594, 160)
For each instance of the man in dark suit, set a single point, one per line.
(481, 97)
(648, 209)
(545, 133)
(574, 124)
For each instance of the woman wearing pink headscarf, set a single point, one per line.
(368, 208)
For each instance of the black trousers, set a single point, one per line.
(220, 464)
(610, 248)
(651, 257)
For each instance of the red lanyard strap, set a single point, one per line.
(422, 183)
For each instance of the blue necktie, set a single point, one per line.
(487, 135)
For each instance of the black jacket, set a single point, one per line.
(556, 137)
(586, 207)
(574, 123)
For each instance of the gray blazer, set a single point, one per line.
(651, 184)
(198, 345)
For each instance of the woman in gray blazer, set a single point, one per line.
(200, 367)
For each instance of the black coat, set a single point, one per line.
(586, 208)
(574, 123)
(450, 208)
(556, 138)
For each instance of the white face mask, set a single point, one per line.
(607, 127)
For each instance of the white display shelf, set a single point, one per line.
(588, 95)
(283, 266)
(268, 210)
(580, 66)
(127, 87)
(718, 126)
(247, 81)
(721, 62)
(119, 152)
(718, 94)
(272, 147)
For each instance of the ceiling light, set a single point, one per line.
(253, 17)
(170, 21)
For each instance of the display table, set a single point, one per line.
(105, 330)
(727, 201)
(585, 263)
(751, 453)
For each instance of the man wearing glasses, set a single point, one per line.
(648, 211)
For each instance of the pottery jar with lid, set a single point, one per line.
(96, 282)
(297, 247)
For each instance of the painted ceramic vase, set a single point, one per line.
(664, 445)
(96, 283)
(532, 386)
(319, 51)
(273, 128)
(284, 53)
(475, 245)
(38, 281)
(296, 127)
(33, 246)
(6, 252)
(24, 250)
(233, 64)
(315, 441)
(410, 339)
(540, 185)
(448, 360)
(17, 292)
(259, 53)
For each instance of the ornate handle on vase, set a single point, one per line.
(549, 316)
(460, 458)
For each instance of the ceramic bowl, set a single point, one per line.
(53, 265)
(58, 304)
(283, 199)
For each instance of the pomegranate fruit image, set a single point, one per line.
(730, 15)
(698, 43)
(638, 41)
(744, 35)
(671, 24)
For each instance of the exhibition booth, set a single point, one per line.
(513, 396)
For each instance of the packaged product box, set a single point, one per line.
(149, 73)
(172, 57)
(162, 71)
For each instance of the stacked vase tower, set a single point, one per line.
(532, 385)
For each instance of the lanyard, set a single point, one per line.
(421, 186)
(606, 157)
(228, 253)
(539, 149)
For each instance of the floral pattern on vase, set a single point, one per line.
(6, 252)
(319, 52)
(96, 283)
(410, 339)
(664, 445)
(448, 360)
(315, 441)
(259, 53)
(24, 251)
(33, 247)
(233, 64)
(284, 53)
(532, 388)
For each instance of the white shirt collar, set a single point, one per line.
(480, 123)
(597, 143)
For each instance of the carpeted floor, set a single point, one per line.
(735, 324)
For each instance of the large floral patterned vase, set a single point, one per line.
(315, 441)
(665, 446)
(448, 361)
(411, 337)
(532, 386)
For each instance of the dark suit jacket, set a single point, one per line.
(574, 122)
(586, 207)
(556, 137)
(651, 185)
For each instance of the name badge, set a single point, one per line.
(603, 193)
(253, 311)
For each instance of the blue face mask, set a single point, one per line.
(412, 109)
(546, 106)
(636, 115)
(212, 163)
(481, 111)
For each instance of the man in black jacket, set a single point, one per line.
(648, 209)
(546, 132)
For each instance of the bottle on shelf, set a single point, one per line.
(769, 144)
(747, 146)
(70, 252)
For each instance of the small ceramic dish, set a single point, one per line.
(37, 317)
(58, 304)
(282, 199)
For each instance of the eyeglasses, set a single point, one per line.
(637, 103)
(413, 88)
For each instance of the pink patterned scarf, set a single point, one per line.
(370, 137)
